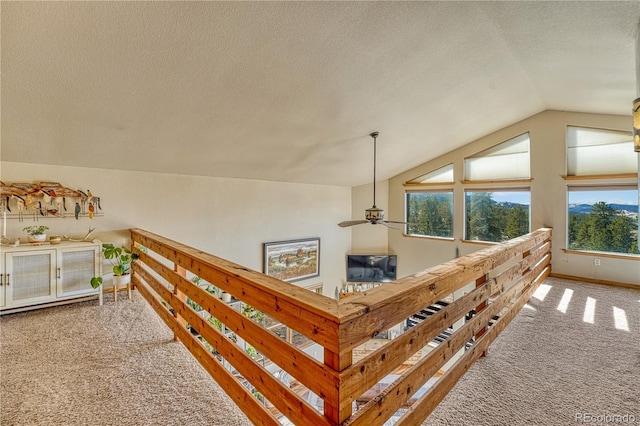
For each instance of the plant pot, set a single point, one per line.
(40, 238)
(121, 280)
(226, 297)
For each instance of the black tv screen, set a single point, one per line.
(371, 268)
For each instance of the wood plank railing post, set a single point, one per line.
(480, 281)
(526, 254)
(332, 408)
(181, 296)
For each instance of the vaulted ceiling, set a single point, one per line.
(289, 91)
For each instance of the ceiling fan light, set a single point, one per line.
(374, 214)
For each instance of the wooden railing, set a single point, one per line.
(485, 290)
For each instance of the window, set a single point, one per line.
(593, 152)
(602, 216)
(508, 160)
(496, 216)
(603, 219)
(430, 214)
(438, 176)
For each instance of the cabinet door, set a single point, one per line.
(30, 277)
(76, 267)
(2, 291)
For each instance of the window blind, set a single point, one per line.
(508, 160)
(599, 152)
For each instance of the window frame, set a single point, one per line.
(417, 182)
(431, 190)
(597, 182)
(489, 154)
(607, 175)
(491, 189)
(597, 185)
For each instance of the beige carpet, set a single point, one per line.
(116, 364)
(82, 364)
(551, 368)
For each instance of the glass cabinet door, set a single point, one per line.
(30, 277)
(76, 267)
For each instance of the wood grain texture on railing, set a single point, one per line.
(403, 388)
(316, 316)
(240, 395)
(377, 310)
(397, 378)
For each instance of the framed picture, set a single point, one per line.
(292, 260)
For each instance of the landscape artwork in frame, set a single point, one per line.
(292, 260)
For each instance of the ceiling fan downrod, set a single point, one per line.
(374, 135)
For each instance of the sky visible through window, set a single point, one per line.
(518, 197)
(627, 196)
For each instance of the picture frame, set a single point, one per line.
(292, 260)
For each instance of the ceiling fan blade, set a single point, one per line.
(393, 221)
(351, 223)
(385, 223)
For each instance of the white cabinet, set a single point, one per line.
(44, 275)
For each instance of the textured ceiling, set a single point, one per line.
(289, 91)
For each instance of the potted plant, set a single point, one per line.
(36, 233)
(121, 259)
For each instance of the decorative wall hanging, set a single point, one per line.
(292, 260)
(46, 199)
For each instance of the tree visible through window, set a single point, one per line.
(430, 214)
(496, 216)
(603, 220)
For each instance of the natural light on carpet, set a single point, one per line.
(564, 302)
(589, 310)
(542, 292)
(620, 319)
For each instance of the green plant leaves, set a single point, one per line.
(96, 281)
(35, 229)
(120, 257)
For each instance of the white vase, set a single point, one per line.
(40, 238)
(121, 280)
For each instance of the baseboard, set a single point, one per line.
(49, 304)
(595, 281)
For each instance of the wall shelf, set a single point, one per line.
(44, 200)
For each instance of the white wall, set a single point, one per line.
(230, 218)
(548, 198)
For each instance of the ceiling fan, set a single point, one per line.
(373, 215)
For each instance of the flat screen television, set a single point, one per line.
(371, 268)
